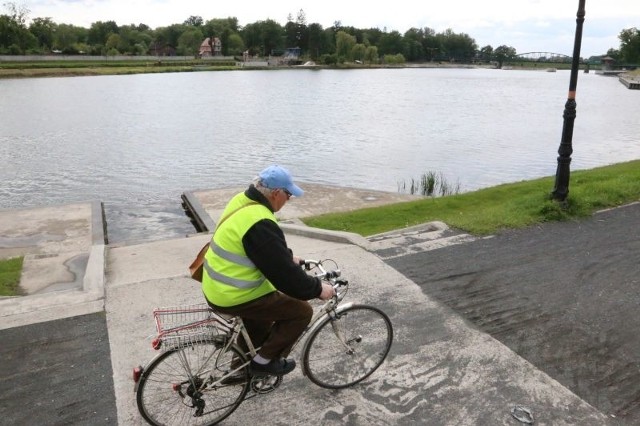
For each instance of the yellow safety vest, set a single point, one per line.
(230, 278)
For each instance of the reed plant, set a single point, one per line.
(429, 184)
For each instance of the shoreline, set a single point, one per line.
(34, 68)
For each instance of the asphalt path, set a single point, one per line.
(57, 373)
(564, 296)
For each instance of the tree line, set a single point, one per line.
(335, 44)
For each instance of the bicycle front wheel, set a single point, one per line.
(192, 385)
(347, 349)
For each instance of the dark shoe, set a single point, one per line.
(276, 367)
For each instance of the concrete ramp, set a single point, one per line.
(440, 371)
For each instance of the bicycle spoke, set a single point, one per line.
(178, 387)
(346, 350)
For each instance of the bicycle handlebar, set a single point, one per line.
(323, 274)
(331, 276)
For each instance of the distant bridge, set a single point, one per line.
(545, 57)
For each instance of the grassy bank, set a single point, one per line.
(85, 68)
(10, 270)
(488, 210)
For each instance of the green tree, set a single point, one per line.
(134, 40)
(189, 41)
(358, 52)
(414, 51)
(195, 21)
(15, 37)
(317, 42)
(235, 45)
(9, 35)
(398, 58)
(458, 47)
(630, 45)
(296, 32)
(372, 36)
(67, 37)
(252, 38)
(371, 55)
(217, 26)
(431, 44)
(264, 37)
(98, 34)
(329, 59)
(344, 46)
(272, 36)
(330, 39)
(113, 41)
(167, 37)
(391, 43)
(100, 31)
(503, 53)
(486, 53)
(43, 30)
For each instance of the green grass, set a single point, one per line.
(10, 270)
(27, 69)
(487, 211)
(111, 63)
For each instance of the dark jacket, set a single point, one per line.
(267, 248)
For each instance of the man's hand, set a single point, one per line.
(327, 292)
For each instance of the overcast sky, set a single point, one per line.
(526, 25)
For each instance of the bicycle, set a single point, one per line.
(202, 374)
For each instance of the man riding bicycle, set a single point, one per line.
(249, 271)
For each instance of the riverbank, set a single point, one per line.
(508, 206)
(65, 245)
(76, 67)
(73, 66)
(30, 70)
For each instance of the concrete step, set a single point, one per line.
(415, 239)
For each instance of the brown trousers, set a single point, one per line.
(274, 321)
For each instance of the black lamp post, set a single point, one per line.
(561, 189)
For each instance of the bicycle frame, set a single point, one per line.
(331, 308)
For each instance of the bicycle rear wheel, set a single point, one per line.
(183, 386)
(347, 349)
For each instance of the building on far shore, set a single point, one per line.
(608, 67)
(210, 47)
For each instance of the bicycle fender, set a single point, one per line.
(317, 323)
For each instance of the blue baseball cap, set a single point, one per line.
(276, 177)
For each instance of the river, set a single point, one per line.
(137, 142)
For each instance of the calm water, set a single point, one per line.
(137, 142)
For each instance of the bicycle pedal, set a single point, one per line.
(265, 383)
